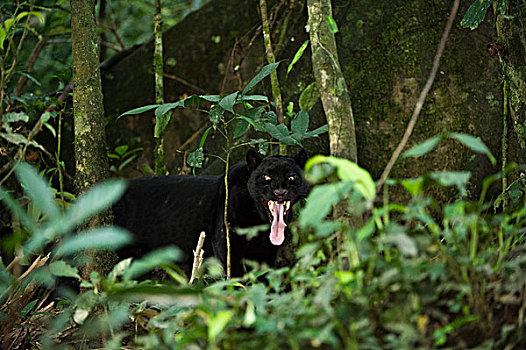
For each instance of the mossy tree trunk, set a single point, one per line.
(91, 163)
(512, 36)
(330, 81)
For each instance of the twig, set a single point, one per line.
(421, 99)
(29, 65)
(198, 256)
(184, 82)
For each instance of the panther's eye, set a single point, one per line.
(292, 178)
(266, 177)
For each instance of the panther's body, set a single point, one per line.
(173, 210)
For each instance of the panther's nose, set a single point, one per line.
(280, 193)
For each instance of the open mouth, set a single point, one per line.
(277, 212)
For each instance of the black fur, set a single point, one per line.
(165, 210)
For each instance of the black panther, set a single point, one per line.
(173, 210)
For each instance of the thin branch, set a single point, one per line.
(198, 256)
(421, 99)
(184, 82)
(29, 65)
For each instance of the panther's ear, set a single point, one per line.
(301, 158)
(253, 159)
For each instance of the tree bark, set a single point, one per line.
(331, 83)
(91, 162)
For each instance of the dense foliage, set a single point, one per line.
(418, 273)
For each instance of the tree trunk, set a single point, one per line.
(330, 81)
(91, 162)
(511, 35)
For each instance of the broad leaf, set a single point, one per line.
(216, 114)
(228, 102)
(474, 143)
(320, 202)
(164, 108)
(265, 71)
(211, 98)
(321, 130)
(37, 190)
(151, 260)
(300, 124)
(241, 128)
(99, 238)
(298, 55)
(459, 179)
(218, 322)
(348, 171)
(331, 24)
(423, 148)
(196, 158)
(475, 14)
(93, 201)
(139, 110)
(161, 122)
(14, 138)
(255, 98)
(61, 269)
(17, 210)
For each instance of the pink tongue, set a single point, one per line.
(277, 230)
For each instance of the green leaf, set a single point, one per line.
(265, 71)
(203, 138)
(211, 98)
(99, 238)
(298, 55)
(254, 98)
(414, 186)
(405, 244)
(28, 307)
(164, 108)
(423, 148)
(366, 230)
(474, 143)
(93, 201)
(37, 190)
(120, 150)
(17, 210)
(309, 97)
(475, 14)
(216, 114)
(273, 130)
(348, 171)
(218, 322)
(161, 122)
(331, 23)
(30, 13)
(139, 110)
(459, 179)
(14, 138)
(61, 269)
(321, 130)
(228, 102)
(195, 159)
(320, 202)
(241, 128)
(3, 33)
(163, 256)
(15, 117)
(300, 124)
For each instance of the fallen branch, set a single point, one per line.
(421, 99)
(198, 256)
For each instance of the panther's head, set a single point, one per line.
(277, 183)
